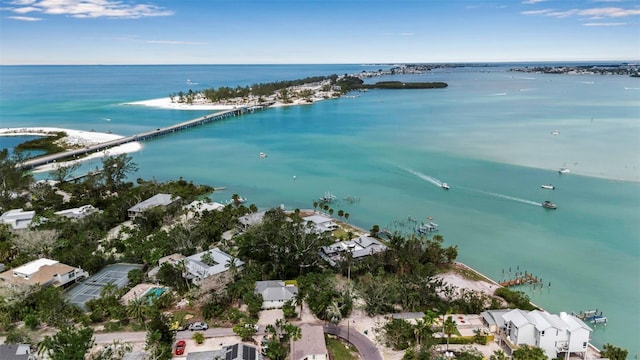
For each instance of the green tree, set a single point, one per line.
(13, 181)
(498, 355)
(198, 337)
(449, 328)
(526, 352)
(160, 337)
(289, 310)
(115, 170)
(62, 172)
(245, 330)
(67, 344)
(613, 353)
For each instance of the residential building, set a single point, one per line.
(275, 293)
(201, 206)
(210, 262)
(311, 345)
(239, 351)
(18, 219)
(321, 223)
(556, 335)
(16, 352)
(251, 219)
(358, 247)
(154, 201)
(42, 271)
(78, 213)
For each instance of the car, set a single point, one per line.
(198, 326)
(180, 346)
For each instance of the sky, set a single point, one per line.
(109, 32)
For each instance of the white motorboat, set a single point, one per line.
(555, 132)
(564, 171)
(548, 186)
(263, 155)
(549, 205)
(445, 186)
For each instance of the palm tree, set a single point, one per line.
(300, 296)
(340, 214)
(331, 212)
(232, 266)
(137, 309)
(333, 313)
(449, 327)
(315, 206)
(109, 290)
(346, 217)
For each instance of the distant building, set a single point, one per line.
(18, 219)
(321, 223)
(555, 334)
(78, 213)
(201, 206)
(199, 269)
(311, 345)
(358, 247)
(154, 201)
(42, 271)
(251, 219)
(16, 352)
(275, 293)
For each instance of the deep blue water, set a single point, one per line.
(487, 135)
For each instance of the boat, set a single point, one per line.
(555, 132)
(564, 171)
(263, 155)
(426, 228)
(548, 186)
(548, 205)
(327, 198)
(445, 186)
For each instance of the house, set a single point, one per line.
(251, 219)
(311, 345)
(154, 201)
(239, 351)
(18, 219)
(78, 213)
(42, 271)
(321, 223)
(358, 247)
(275, 293)
(554, 334)
(210, 262)
(202, 206)
(16, 352)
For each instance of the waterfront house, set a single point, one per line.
(556, 335)
(321, 223)
(275, 293)
(43, 271)
(211, 262)
(359, 247)
(154, 201)
(18, 219)
(311, 345)
(251, 219)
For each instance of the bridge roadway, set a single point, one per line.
(42, 160)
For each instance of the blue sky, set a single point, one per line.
(315, 31)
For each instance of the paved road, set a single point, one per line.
(366, 348)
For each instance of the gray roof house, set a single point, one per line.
(251, 219)
(78, 213)
(239, 351)
(321, 223)
(18, 219)
(311, 344)
(275, 293)
(16, 352)
(358, 247)
(199, 269)
(156, 200)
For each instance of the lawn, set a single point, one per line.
(338, 350)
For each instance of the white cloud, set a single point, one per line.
(533, 1)
(89, 8)
(407, 34)
(605, 24)
(604, 12)
(174, 42)
(24, 18)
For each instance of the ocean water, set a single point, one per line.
(488, 135)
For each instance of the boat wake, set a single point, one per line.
(498, 94)
(507, 197)
(424, 177)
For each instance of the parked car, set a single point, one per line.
(180, 346)
(198, 326)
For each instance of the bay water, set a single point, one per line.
(383, 153)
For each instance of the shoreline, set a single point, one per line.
(167, 104)
(74, 138)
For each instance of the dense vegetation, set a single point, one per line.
(48, 144)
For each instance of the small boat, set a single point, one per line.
(548, 186)
(327, 198)
(263, 155)
(564, 171)
(445, 186)
(555, 132)
(548, 205)
(426, 228)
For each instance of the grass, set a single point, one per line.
(338, 350)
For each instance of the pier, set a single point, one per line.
(592, 316)
(522, 279)
(46, 159)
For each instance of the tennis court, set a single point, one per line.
(91, 287)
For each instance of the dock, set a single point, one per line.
(592, 316)
(46, 159)
(522, 279)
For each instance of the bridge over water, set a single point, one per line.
(46, 159)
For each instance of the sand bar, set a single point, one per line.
(75, 138)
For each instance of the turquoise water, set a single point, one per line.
(155, 292)
(487, 135)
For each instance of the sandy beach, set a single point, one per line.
(74, 139)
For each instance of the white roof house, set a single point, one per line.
(78, 213)
(18, 219)
(199, 270)
(322, 223)
(311, 345)
(358, 247)
(156, 200)
(42, 271)
(275, 293)
(552, 333)
(251, 219)
(201, 206)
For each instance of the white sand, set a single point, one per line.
(166, 103)
(75, 138)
